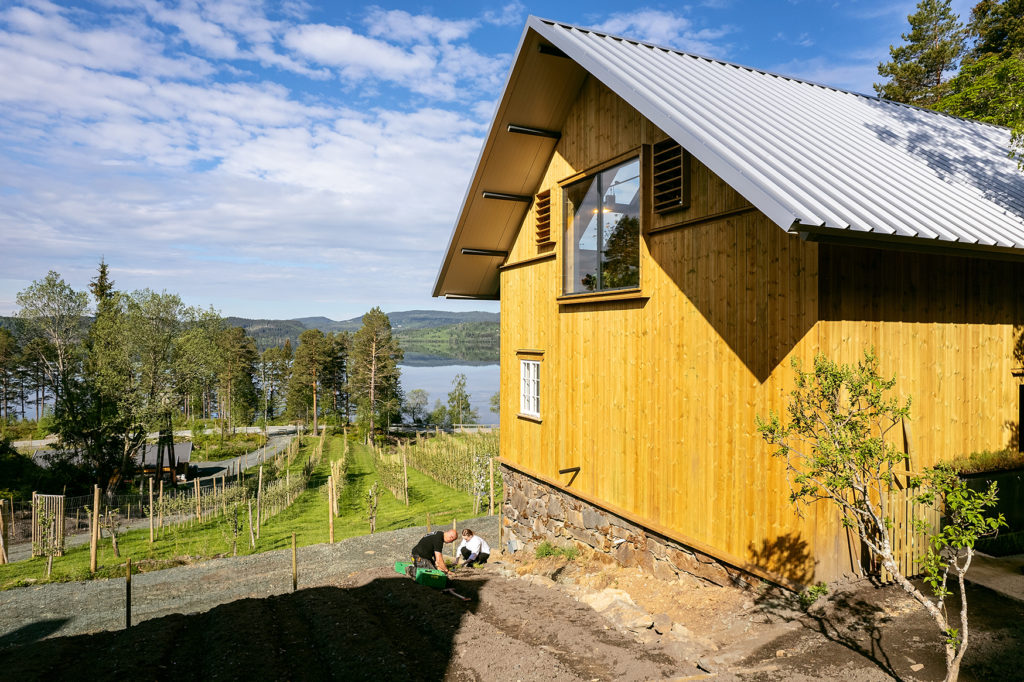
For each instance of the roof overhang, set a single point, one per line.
(540, 89)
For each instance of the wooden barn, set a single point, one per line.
(665, 233)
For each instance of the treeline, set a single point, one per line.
(471, 341)
(973, 70)
(117, 365)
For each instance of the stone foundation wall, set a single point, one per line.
(535, 512)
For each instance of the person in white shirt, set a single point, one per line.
(473, 550)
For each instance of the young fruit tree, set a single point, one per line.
(837, 448)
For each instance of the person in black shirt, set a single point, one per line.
(428, 551)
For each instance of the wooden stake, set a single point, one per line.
(295, 566)
(160, 525)
(405, 476)
(224, 493)
(3, 534)
(151, 535)
(199, 502)
(128, 594)
(428, 522)
(252, 538)
(330, 506)
(259, 503)
(490, 464)
(95, 538)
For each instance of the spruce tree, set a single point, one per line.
(932, 48)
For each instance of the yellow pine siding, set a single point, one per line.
(655, 398)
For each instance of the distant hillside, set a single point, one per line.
(406, 319)
(470, 341)
(427, 336)
(268, 333)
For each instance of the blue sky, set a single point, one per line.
(288, 159)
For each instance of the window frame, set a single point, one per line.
(528, 367)
(641, 156)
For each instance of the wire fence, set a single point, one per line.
(271, 490)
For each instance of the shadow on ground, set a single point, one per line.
(388, 628)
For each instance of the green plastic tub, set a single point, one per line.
(424, 576)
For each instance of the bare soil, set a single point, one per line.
(354, 618)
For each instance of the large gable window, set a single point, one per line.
(602, 231)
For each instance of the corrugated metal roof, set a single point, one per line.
(810, 155)
(812, 158)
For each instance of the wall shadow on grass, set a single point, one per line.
(389, 628)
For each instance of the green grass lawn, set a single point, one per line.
(306, 517)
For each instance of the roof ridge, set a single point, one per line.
(795, 79)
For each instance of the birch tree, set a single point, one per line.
(374, 373)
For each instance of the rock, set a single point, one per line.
(781, 653)
(604, 599)
(662, 623)
(593, 519)
(626, 555)
(629, 617)
(542, 581)
(664, 571)
(917, 667)
(681, 633)
(518, 501)
(536, 508)
(555, 509)
(645, 560)
(574, 518)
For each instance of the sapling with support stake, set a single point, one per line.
(837, 448)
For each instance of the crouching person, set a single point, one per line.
(473, 549)
(428, 552)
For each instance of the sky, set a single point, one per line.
(296, 158)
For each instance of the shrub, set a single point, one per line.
(547, 549)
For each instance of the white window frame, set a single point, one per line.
(529, 388)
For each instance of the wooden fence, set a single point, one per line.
(909, 547)
(47, 525)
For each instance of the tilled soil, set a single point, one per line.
(354, 618)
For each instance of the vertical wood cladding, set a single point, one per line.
(654, 398)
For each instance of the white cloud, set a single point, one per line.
(667, 29)
(401, 26)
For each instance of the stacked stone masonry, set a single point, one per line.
(535, 512)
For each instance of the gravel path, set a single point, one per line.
(29, 613)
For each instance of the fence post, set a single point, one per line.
(259, 503)
(3, 534)
(330, 506)
(95, 539)
(151, 538)
(405, 476)
(128, 595)
(160, 520)
(224, 493)
(199, 501)
(490, 464)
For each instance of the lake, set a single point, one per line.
(481, 384)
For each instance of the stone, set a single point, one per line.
(620, 532)
(593, 519)
(574, 518)
(657, 548)
(627, 617)
(662, 623)
(663, 571)
(555, 508)
(626, 555)
(518, 501)
(602, 600)
(917, 667)
(645, 560)
(539, 527)
(536, 508)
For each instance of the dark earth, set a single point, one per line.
(353, 618)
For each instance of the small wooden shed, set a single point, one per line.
(665, 232)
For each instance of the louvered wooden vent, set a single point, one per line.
(543, 206)
(670, 190)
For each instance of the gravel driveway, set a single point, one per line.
(30, 613)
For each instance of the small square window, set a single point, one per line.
(529, 388)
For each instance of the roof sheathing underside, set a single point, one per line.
(814, 157)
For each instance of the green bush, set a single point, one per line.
(987, 460)
(547, 549)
